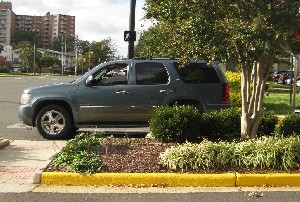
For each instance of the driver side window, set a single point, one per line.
(115, 74)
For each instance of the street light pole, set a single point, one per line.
(131, 28)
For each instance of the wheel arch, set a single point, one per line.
(45, 103)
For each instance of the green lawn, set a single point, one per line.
(278, 100)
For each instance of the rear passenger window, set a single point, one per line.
(151, 73)
(197, 73)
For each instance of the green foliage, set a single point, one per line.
(267, 124)
(3, 70)
(234, 80)
(223, 124)
(85, 162)
(181, 123)
(175, 124)
(290, 126)
(253, 33)
(80, 154)
(263, 153)
(21, 36)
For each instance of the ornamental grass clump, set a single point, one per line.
(264, 153)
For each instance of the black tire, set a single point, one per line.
(54, 122)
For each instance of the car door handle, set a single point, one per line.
(123, 92)
(166, 91)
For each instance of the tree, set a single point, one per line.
(47, 61)
(250, 31)
(59, 42)
(101, 51)
(28, 56)
(22, 36)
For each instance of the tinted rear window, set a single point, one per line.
(197, 73)
(151, 73)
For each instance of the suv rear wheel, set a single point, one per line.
(54, 122)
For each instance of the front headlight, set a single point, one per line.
(25, 98)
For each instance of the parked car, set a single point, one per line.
(290, 79)
(283, 76)
(277, 73)
(122, 91)
(297, 110)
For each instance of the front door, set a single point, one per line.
(108, 99)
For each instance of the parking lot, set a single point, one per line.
(11, 88)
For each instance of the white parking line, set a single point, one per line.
(17, 125)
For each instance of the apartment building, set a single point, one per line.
(47, 27)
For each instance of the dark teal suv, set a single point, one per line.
(122, 91)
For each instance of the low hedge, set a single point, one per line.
(175, 124)
(185, 123)
(290, 125)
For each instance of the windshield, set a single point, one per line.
(87, 73)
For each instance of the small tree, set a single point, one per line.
(251, 31)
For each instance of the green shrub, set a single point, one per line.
(290, 126)
(80, 154)
(267, 124)
(181, 123)
(3, 70)
(175, 124)
(224, 124)
(234, 80)
(263, 153)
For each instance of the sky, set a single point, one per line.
(95, 19)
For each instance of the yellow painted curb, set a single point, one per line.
(147, 179)
(275, 179)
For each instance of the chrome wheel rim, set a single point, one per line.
(53, 122)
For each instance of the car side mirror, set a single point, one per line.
(90, 80)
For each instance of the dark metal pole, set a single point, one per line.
(131, 28)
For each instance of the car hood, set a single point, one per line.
(49, 87)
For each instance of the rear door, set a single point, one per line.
(152, 89)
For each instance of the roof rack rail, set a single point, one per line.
(152, 58)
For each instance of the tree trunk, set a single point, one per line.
(253, 96)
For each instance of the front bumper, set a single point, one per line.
(26, 114)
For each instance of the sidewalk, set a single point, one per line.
(22, 161)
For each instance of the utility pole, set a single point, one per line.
(34, 57)
(131, 39)
(62, 54)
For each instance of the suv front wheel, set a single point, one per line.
(54, 122)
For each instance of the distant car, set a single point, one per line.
(290, 79)
(283, 76)
(277, 74)
(297, 110)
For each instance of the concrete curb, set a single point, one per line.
(4, 143)
(145, 179)
(172, 179)
(272, 179)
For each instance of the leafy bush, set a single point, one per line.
(234, 80)
(267, 124)
(3, 70)
(224, 124)
(175, 124)
(181, 123)
(80, 155)
(290, 126)
(263, 153)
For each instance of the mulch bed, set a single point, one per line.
(141, 155)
